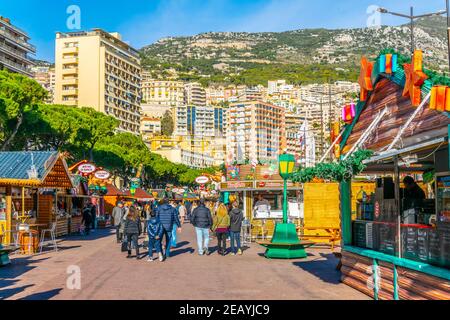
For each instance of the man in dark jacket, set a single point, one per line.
(202, 221)
(93, 215)
(168, 216)
(87, 219)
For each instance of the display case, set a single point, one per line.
(443, 197)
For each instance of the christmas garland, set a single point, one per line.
(343, 170)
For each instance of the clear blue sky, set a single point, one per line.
(143, 22)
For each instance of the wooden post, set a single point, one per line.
(7, 239)
(398, 203)
(346, 212)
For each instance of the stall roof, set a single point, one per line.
(51, 169)
(388, 93)
(114, 191)
(140, 194)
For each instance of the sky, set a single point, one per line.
(142, 22)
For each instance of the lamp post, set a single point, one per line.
(285, 243)
(411, 17)
(286, 168)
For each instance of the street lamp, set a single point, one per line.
(412, 17)
(286, 168)
(285, 243)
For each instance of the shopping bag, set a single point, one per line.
(124, 246)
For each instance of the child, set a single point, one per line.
(155, 232)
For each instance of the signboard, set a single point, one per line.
(202, 180)
(86, 168)
(102, 174)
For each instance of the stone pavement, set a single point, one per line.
(106, 274)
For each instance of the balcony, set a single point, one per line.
(70, 92)
(68, 71)
(70, 81)
(16, 67)
(70, 60)
(16, 53)
(70, 102)
(69, 50)
(18, 41)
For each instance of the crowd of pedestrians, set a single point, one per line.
(161, 222)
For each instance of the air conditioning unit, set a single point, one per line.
(369, 236)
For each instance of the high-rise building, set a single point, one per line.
(97, 69)
(194, 94)
(255, 131)
(15, 50)
(200, 121)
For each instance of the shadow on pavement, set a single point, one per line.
(7, 293)
(19, 265)
(93, 235)
(177, 252)
(47, 295)
(324, 269)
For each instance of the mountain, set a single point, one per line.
(300, 56)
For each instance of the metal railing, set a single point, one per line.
(19, 41)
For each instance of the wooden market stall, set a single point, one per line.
(112, 197)
(29, 182)
(397, 241)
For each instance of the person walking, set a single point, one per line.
(236, 219)
(132, 231)
(117, 214)
(202, 221)
(155, 232)
(93, 215)
(221, 227)
(87, 219)
(173, 243)
(169, 217)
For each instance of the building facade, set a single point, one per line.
(194, 94)
(15, 50)
(160, 92)
(150, 127)
(45, 76)
(97, 69)
(255, 131)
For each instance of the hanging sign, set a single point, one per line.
(202, 180)
(102, 174)
(86, 168)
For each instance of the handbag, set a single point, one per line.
(124, 246)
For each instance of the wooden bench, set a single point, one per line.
(333, 235)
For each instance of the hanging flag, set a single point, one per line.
(365, 78)
(440, 98)
(415, 77)
(387, 63)
(349, 113)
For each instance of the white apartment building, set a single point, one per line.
(15, 50)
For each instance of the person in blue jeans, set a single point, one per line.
(174, 229)
(155, 232)
(236, 218)
(169, 217)
(202, 220)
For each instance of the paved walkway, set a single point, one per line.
(107, 274)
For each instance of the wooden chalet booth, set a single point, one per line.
(112, 196)
(29, 182)
(313, 207)
(397, 246)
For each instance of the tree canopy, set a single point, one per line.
(26, 123)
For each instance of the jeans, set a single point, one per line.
(222, 241)
(119, 234)
(168, 235)
(174, 236)
(202, 239)
(235, 236)
(153, 243)
(132, 239)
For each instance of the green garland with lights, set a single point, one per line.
(343, 170)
